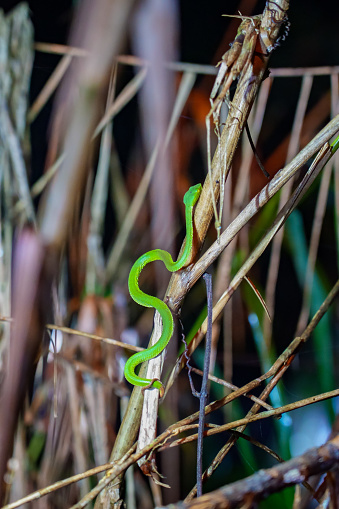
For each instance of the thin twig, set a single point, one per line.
(293, 148)
(132, 60)
(109, 341)
(49, 87)
(203, 396)
(257, 158)
(233, 387)
(319, 214)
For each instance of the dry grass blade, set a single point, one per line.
(125, 96)
(109, 341)
(240, 193)
(255, 127)
(49, 87)
(95, 258)
(60, 49)
(40, 184)
(233, 388)
(314, 245)
(114, 257)
(79, 448)
(259, 296)
(293, 148)
(203, 213)
(324, 70)
(94, 401)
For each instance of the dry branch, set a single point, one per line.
(257, 487)
(246, 91)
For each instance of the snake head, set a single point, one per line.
(192, 195)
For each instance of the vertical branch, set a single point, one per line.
(203, 396)
(248, 85)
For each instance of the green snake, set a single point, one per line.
(149, 301)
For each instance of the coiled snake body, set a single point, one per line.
(149, 301)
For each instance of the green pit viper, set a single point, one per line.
(149, 301)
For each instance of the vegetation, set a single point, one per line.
(128, 136)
